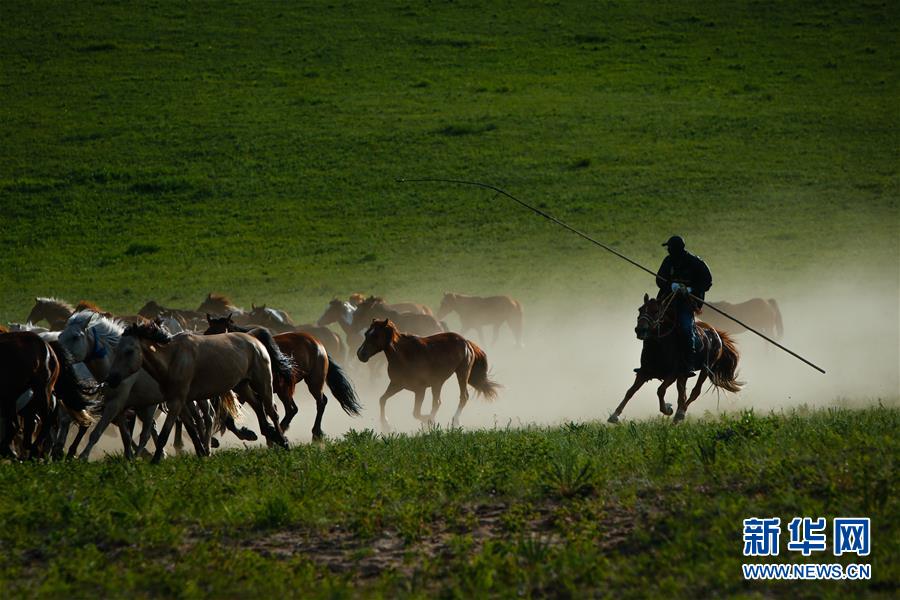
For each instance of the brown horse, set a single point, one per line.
(88, 305)
(153, 309)
(660, 359)
(760, 314)
(191, 368)
(312, 364)
(356, 299)
(476, 312)
(56, 312)
(26, 363)
(332, 341)
(219, 304)
(374, 307)
(417, 363)
(271, 318)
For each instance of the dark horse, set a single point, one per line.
(311, 364)
(656, 327)
(418, 363)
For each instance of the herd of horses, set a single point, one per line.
(90, 368)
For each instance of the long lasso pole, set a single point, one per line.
(585, 236)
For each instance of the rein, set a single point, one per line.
(657, 323)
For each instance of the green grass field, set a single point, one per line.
(169, 150)
(166, 149)
(643, 510)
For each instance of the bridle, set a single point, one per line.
(658, 321)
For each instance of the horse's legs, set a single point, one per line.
(179, 439)
(435, 400)
(682, 398)
(695, 393)
(262, 387)
(63, 423)
(664, 407)
(290, 406)
(315, 383)
(639, 380)
(496, 333)
(321, 401)
(175, 409)
(242, 433)
(126, 432)
(417, 407)
(462, 377)
(392, 389)
(73, 449)
(110, 411)
(193, 422)
(245, 393)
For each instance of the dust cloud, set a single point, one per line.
(577, 364)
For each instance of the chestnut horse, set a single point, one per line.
(417, 363)
(476, 312)
(311, 364)
(656, 327)
(56, 312)
(760, 314)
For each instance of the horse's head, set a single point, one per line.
(74, 337)
(150, 310)
(37, 311)
(137, 340)
(218, 324)
(649, 318)
(378, 337)
(356, 299)
(448, 305)
(336, 311)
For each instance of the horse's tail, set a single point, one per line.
(227, 406)
(779, 324)
(479, 378)
(282, 364)
(516, 321)
(342, 388)
(723, 371)
(79, 398)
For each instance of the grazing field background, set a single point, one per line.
(165, 150)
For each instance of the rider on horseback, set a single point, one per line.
(685, 275)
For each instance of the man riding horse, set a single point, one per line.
(685, 275)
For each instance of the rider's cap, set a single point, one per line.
(675, 241)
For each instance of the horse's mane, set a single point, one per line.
(148, 331)
(56, 302)
(107, 329)
(219, 299)
(88, 305)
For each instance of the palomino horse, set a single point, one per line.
(402, 307)
(656, 327)
(417, 363)
(407, 322)
(56, 312)
(192, 368)
(760, 314)
(475, 312)
(311, 364)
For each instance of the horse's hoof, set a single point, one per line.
(613, 418)
(214, 442)
(667, 409)
(679, 417)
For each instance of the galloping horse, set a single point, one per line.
(311, 364)
(475, 312)
(52, 310)
(153, 309)
(193, 367)
(218, 304)
(341, 312)
(408, 322)
(656, 327)
(417, 363)
(756, 312)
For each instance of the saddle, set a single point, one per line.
(708, 348)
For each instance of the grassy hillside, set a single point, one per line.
(575, 511)
(166, 149)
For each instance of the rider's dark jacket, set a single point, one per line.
(687, 269)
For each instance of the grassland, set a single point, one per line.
(169, 149)
(644, 510)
